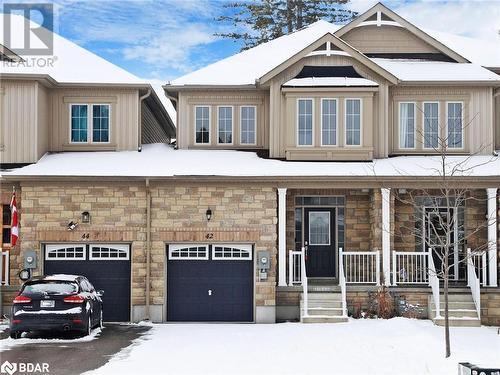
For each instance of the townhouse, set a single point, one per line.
(307, 172)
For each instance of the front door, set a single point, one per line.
(441, 228)
(319, 240)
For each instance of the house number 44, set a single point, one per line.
(85, 236)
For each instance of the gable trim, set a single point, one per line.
(328, 37)
(379, 7)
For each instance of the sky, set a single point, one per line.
(160, 40)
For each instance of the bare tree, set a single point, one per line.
(438, 221)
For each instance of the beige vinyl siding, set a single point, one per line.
(386, 39)
(477, 116)
(152, 132)
(281, 128)
(236, 99)
(19, 118)
(42, 127)
(124, 121)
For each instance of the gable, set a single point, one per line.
(387, 39)
(385, 20)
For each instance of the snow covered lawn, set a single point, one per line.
(395, 346)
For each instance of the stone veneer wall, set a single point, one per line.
(118, 214)
(490, 306)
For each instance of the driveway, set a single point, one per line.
(68, 355)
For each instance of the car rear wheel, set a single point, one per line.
(15, 335)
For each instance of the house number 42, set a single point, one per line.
(209, 236)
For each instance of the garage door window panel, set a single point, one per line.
(68, 252)
(231, 252)
(109, 252)
(188, 252)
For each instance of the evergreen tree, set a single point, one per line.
(269, 19)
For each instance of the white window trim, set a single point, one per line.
(360, 122)
(241, 128)
(329, 228)
(209, 124)
(462, 116)
(414, 126)
(423, 123)
(119, 247)
(336, 122)
(232, 125)
(297, 122)
(90, 123)
(177, 246)
(245, 247)
(52, 247)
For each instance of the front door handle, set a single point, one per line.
(210, 292)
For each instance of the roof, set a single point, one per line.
(329, 82)
(436, 71)
(186, 163)
(66, 57)
(246, 67)
(57, 277)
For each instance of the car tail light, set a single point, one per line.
(74, 299)
(16, 321)
(77, 321)
(22, 299)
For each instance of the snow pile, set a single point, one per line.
(389, 347)
(8, 343)
(160, 160)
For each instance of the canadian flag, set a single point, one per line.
(14, 222)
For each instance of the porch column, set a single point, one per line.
(282, 237)
(492, 236)
(386, 235)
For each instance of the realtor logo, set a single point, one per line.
(8, 368)
(37, 37)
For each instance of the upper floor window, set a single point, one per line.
(328, 122)
(305, 122)
(225, 122)
(85, 127)
(407, 125)
(353, 122)
(431, 124)
(454, 125)
(248, 125)
(202, 124)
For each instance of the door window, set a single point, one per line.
(319, 228)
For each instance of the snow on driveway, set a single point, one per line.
(369, 347)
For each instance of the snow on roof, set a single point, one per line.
(329, 82)
(72, 63)
(245, 67)
(166, 102)
(483, 52)
(160, 160)
(438, 71)
(61, 277)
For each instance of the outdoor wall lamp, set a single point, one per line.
(85, 217)
(208, 214)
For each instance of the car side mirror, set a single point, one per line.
(100, 293)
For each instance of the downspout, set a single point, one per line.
(148, 248)
(139, 145)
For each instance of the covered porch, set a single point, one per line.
(350, 241)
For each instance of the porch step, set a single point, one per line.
(323, 319)
(461, 309)
(322, 307)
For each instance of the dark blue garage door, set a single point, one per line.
(107, 266)
(210, 283)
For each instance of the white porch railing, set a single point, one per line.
(294, 268)
(409, 267)
(473, 282)
(342, 283)
(434, 283)
(360, 267)
(304, 282)
(4, 267)
(480, 262)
